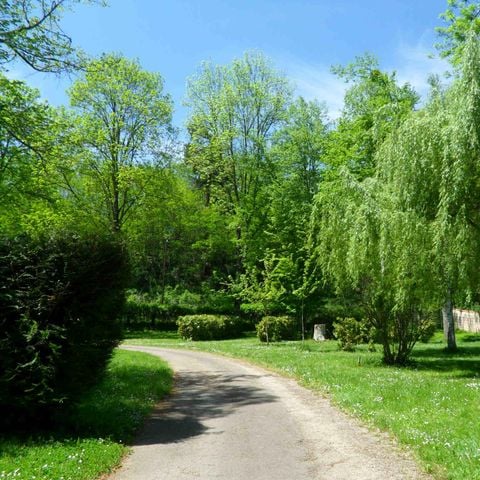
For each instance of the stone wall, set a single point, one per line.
(467, 320)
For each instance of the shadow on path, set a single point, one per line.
(198, 397)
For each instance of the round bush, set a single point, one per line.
(275, 329)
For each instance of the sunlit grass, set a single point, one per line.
(97, 430)
(432, 407)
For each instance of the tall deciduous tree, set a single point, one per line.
(298, 151)
(351, 236)
(235, 110)
(28, 142)
(366, 246)
(123, 123)
(174, 239)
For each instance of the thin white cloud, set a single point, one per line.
(412, 63)
(415, 66)
(316, 82)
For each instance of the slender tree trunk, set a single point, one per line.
(164, 268)
(448, 323)
(303, 321)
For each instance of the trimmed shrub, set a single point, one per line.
(427, 330)
(350, 332)
(59, 299)
(275, 329)
(208, 327)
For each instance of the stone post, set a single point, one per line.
(319, 332)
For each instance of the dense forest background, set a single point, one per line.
(268, 207)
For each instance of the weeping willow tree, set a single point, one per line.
(364, 246)
(408, 238)
(431, 171)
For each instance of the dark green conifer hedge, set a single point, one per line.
(60, 297)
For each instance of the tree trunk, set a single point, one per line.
(448, 323)
(303, 322)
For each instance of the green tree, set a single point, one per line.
(461, 16)
(431, 166)
(365, 246)
(174, 239)
(373, 105)
(123, 123)
(30, 135)
(235, 110)
(30, 30)
(298, 152)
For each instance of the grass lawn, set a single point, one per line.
(433, 406)
(104, 422)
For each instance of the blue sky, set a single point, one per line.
(302, 37)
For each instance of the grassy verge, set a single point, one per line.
(104, 422)
(433, 407)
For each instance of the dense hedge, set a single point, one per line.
(161, 310)
(208, 327)
(59, 298)
(275, 329)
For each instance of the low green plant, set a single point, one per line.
(350, 332)
(208, 327)
(428, 330)
(275, 329)
(145, 310)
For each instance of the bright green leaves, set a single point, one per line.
(28, 143)
(235, 110)
(124, 124)
(374, 105)
(408, 237)
(461, 17)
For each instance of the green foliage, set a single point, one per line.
(429, 174)
(27, 143)
(364, 247)
(174, 239)
(254, 311)
(31, 31)
(60, 297)
(235, 111)
(276, 329)
(144, 310)
(428, 329)
(122, 129)
(208, 327)
(461, 17)
(349, 332)
(374, 105)
(162, 310)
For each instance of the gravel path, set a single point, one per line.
(228, 420)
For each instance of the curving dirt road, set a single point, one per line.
(228, 420)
